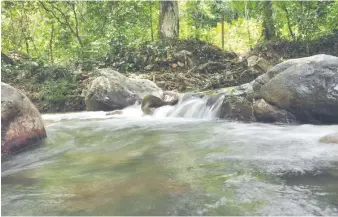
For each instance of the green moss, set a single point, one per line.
(217, 91)
(209, 92)
(147, 111)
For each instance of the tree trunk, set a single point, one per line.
(196, 29)
(288, 20)
(168, 23)
(51, 44)
(268, 24)
(27, 46)
(247, 12)
(151, 21)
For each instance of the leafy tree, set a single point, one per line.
(65, 31)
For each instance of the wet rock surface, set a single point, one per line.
(21, 123)
(331, 138)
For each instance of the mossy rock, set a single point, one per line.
(150, 102)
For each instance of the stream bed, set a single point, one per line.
(93, 164)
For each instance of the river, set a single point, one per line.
(129, 164)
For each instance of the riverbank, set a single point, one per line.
(186, 66)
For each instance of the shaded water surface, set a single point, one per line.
(92, 164)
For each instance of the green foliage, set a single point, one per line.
(64, 31)
(8, 74)
(307, 20)
(82, 30)
(39, 82)
(55, 90)
(240, 35)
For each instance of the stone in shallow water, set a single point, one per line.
(150, 102)
(115, 112)
(331, 138)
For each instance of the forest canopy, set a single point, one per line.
(61, 31)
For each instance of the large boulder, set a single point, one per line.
(298, 90)
(306, 87)
(21, 123)
(111, 90)
(263, 79)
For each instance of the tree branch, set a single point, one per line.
(76, 24)
(65, 22)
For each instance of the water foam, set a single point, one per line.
(192, 108)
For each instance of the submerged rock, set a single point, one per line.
(331, 138)
(306, 87)
(150, 102)
(115, 112)
(111, 90)
(21, 122)
(188, 96)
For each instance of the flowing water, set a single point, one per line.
(172, 163)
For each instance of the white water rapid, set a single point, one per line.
(192, 108)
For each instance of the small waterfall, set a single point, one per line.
(193, 107)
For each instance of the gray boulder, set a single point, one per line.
(306, 87)
(111, 90)
(303, 90)
(21, 123)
